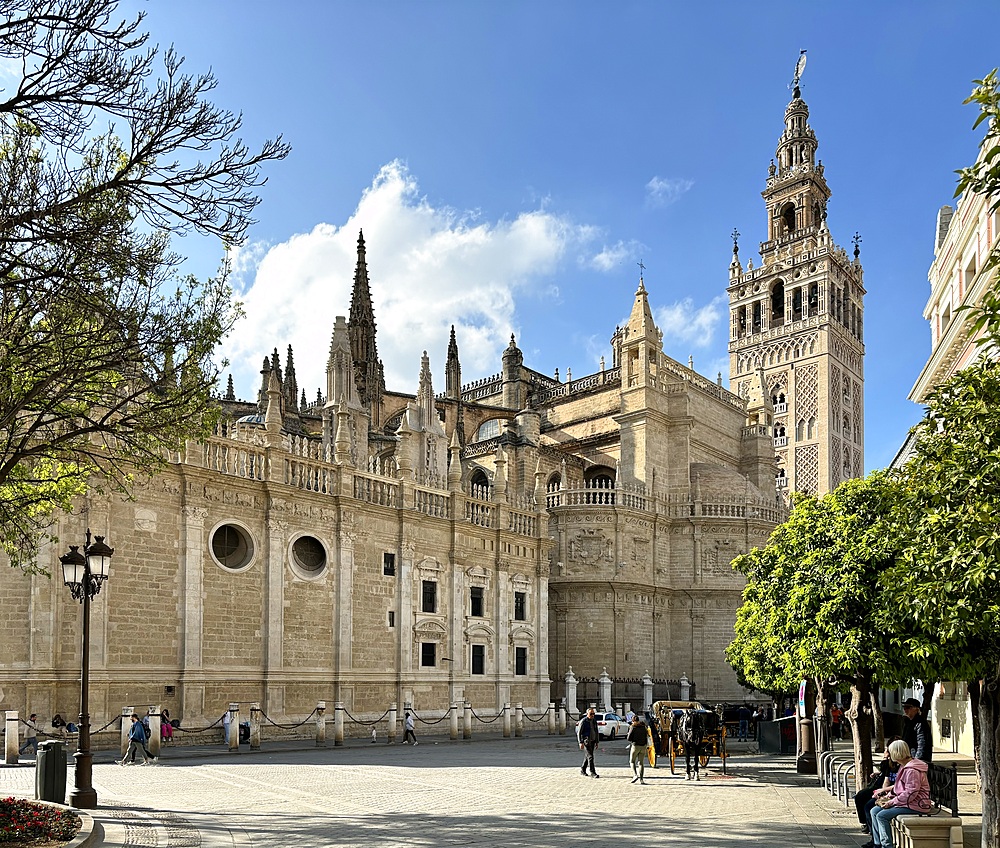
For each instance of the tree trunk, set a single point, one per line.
(975, 693)
(878, 722)
(861, 728)
(989, 756)
(822, 716)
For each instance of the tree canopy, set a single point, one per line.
(107, 150)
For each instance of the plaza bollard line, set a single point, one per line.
(391, 733)
(11, 749)
(453, 724)
(467, 725)
(518, 719)
(255, 724)
(506, 721)
(320, 724)
(338, 724)
(562, 719)
(552, 718)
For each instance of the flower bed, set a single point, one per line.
(24, 822)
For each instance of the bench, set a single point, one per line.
(933, 830)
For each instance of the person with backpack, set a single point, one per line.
(136, 743)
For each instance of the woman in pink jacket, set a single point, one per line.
(911, 793)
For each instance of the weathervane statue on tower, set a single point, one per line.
(800, 66)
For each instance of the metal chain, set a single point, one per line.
(215, 723)
(536, 720)
(289, 726)
(428, 721)
(365, 723)
(482, 720)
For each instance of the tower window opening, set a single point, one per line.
(758, 317)
(778, 302)
(797, 304)
(741, 322)
(788, 218)
(813, 299)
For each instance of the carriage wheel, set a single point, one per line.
(650, 749)
(723, 754)
(703, 759)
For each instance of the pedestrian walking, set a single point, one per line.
(589, 737)
(837, 721)
(639, 740)
(408, 734)
(136, 743)
(30, 735)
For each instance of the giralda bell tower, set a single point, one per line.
(799, 317)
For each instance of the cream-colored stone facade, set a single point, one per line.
(376, 546)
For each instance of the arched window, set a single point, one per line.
(800, 430)
(797, 303)
(487, 430)
(847, 426)
(757, 316)
(552, 497)
(600, 479)
(479, 485)
(788, 218)
(810, 428)
(778, 302)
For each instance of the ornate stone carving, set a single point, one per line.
(590, 546)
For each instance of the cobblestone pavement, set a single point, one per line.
(487, 793)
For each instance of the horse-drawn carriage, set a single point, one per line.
(687, 729)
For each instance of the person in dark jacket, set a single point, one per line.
(588, 735)
(917, 731)
(639, 739)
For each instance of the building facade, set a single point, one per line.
(375, 546)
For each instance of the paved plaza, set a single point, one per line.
(514, 793)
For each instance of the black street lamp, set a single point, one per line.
(84, 574)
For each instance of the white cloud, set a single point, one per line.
(684, 322)
(611, 258)
(429, 268)
(662, 191)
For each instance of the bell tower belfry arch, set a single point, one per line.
(799, 318)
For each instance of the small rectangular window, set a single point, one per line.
(520, 660)
(428, 601)
(479, 659)
(428, 654)
(520, 606)
(392, 618)
(389, 564)
(476, 598)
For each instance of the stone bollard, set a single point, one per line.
(320, 724)
(562, 718)
(467, 724)
(552, 718)
(506, 721)
(453, 729)
(338, 724)
(571, 707)
(518, 719)
(685, 688)
(234, 727)
(10, 748)
(155, 717)
(391, 731)
(604, 685)
(255, 725)
(647, 692)
(126, 726)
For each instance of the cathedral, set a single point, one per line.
(375, 546)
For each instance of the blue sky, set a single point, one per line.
(511, 162)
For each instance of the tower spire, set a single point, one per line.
(453, 369)
(364, 351)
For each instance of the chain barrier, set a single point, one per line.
(482, 720)
(536, 720)
(289, 726)
(428, 721)
(365, 723)
(214, 724)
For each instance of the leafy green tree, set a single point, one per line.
(814, 607)
(106, 354)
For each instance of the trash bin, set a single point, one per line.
(245, 731)
(50, 772)
(779, 736)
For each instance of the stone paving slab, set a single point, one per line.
(490, 793)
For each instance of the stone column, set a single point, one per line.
(321, 724)
(604, 686)
(552, 718)
(154, 729)
(234, 727)
(391, 733)
(647, 692)
(126, 724)
(571, 706)
(467, 722)
(11, 746)
(255, 727)
(453, 721)
(506, 721)
(685, 688)
(338, 724)
(518, 719)
(193, 543)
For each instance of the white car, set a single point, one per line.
(611, 725)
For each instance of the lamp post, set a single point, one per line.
(84, 574)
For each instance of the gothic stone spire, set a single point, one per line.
(367, 366)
